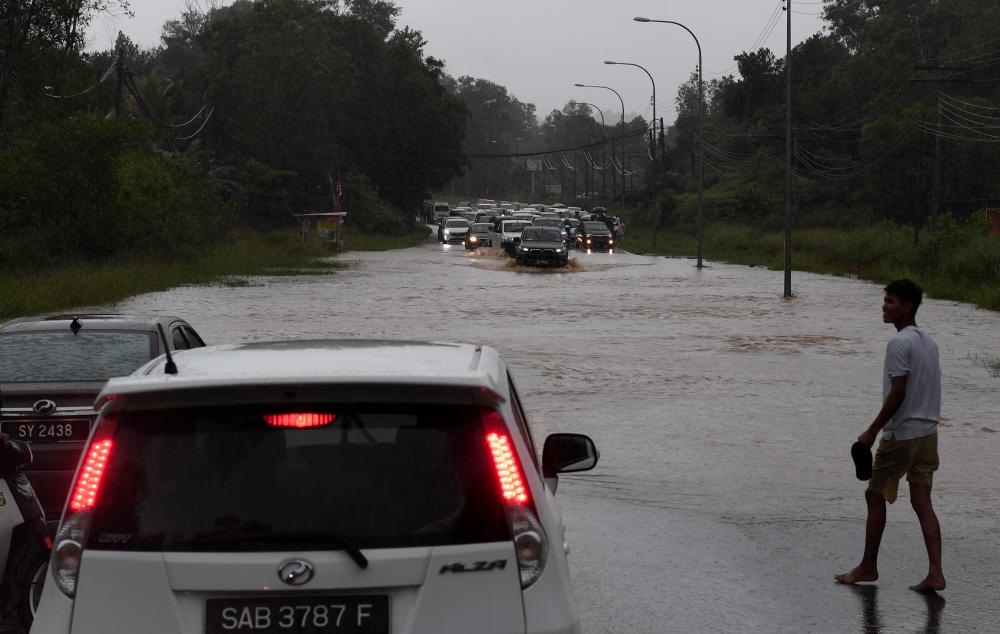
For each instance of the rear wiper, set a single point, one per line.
(252, 536)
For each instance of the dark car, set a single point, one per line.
(594, 235)
(555, 223)
(478, 236)
(541, 246)
(51, 370)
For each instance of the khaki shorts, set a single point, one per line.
(917, 458)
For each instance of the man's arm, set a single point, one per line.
(897, 392)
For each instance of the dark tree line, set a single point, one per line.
(244, 114)
(896, 116)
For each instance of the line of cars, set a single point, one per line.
(531, 236)
(341, 486)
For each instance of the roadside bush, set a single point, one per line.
(161, 205)
(266, 199)
(87, 189)
(58, 186)
(367, 211)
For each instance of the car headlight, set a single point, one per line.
(446, 234)
(558, 250)
(588, 240)
(473, 239)
(610, 241)
(524, 249)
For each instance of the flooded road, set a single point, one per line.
(725, 499)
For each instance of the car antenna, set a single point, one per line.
(170, 367)
(75, 325)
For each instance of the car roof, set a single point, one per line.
(330, 361)
(88, 321)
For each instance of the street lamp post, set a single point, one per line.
(701, 101)
(654, 94)
(622, 101)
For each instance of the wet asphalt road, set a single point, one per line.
(725, 498)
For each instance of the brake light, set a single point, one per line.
(530, 542)
(508, 471)
(88, 483)
(300, 420)
(68, 546)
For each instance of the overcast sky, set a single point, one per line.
(539, 48)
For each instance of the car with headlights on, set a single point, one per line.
(594, 235)
(453, 230)
(541, 246)
(316, 487)
(478, 236)
(52, 368)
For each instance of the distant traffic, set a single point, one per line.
(533, 234)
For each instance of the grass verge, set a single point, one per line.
(966, 270)
(357, 240)
(228, 262)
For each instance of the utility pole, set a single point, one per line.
(936, 192)
(788, 150)
(119, 68)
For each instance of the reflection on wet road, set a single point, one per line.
(725, 499)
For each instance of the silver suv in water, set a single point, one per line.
(362, 487)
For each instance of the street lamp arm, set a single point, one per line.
(651, 81)
(690, 32)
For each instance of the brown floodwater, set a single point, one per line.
(725, 498)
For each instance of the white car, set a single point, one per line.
(453, 230)
(362, 487)
(506, 234)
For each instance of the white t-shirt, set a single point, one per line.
(912, 353)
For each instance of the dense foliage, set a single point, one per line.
(896, 114)
(245, 115)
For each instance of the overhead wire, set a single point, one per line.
(762, 37)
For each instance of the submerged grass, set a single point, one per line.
(233, 262)
(966, 270)
(356, 240)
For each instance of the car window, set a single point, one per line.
(193, 338)
(55, 356)
(541, 234)
(225, 479)
(455, 224)
(180, 340)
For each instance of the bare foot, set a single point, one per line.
(857, 575)
(931, 583)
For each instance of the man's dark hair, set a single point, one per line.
(906, 291)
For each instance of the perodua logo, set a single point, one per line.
(296, 572)
(44, 407)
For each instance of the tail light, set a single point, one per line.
(72, 535)
(530, 541)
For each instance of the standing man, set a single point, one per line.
(911, 382)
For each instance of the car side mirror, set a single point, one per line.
(568, 453)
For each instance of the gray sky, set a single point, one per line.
(539, 48)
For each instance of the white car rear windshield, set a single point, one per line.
(60, 356)
(228, 479)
